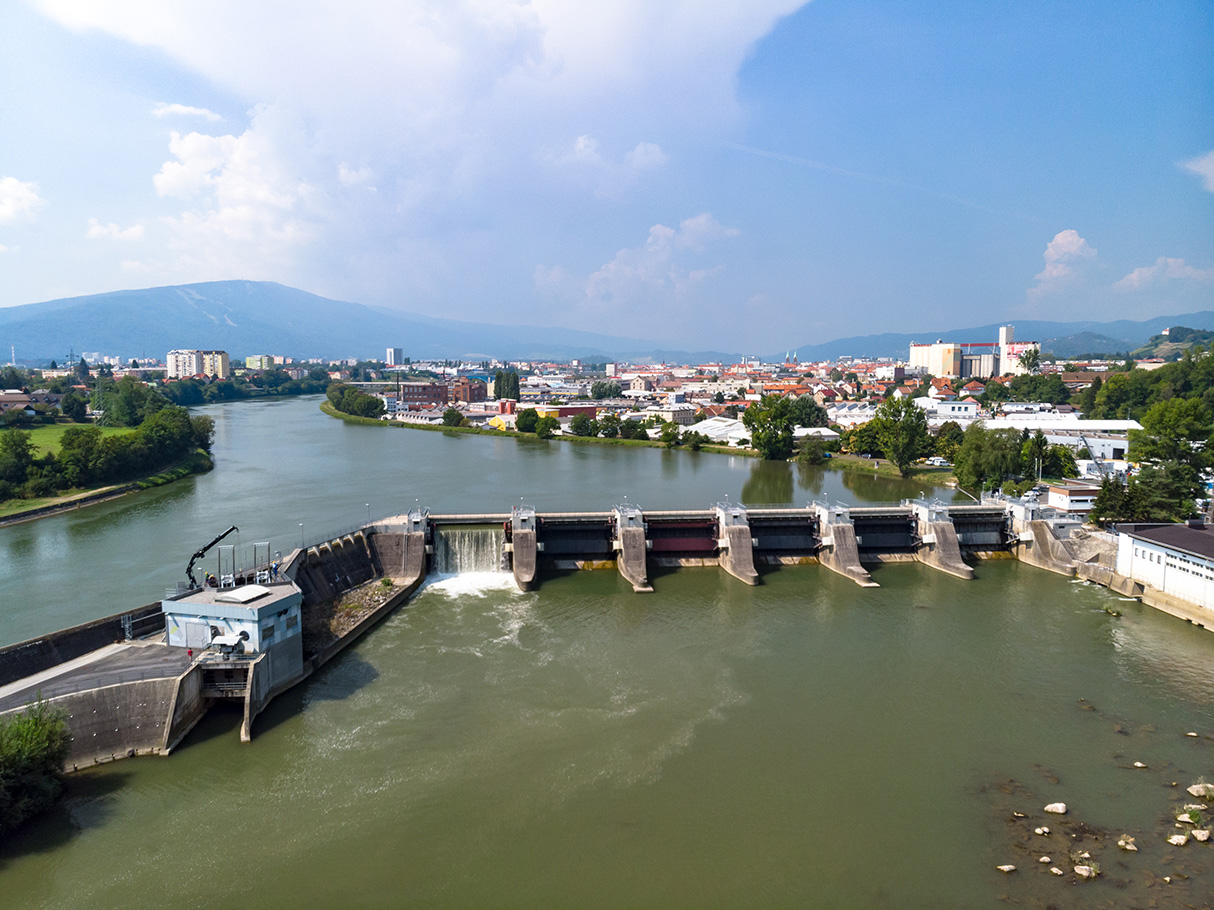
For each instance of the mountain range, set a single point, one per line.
(259, 317)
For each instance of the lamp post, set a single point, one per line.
(368, 514)
(301, 536)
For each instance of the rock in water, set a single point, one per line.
(1042, 830)
(1006, 868)
(1178, 840)
(1202, 790)
(1139, 764)
(1085, 871)
(1125, 842)
(1201, 834)
(1045, 859)
(1056, 870)
(1056, 808)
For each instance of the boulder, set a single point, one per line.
(1139, 764)
(1125, 842)
(1086, 871)
(1045, 859)
(1202, 790)
(1056, 808)
(1201, 834)
(1178, 840)
(1006, 868)
(1056, 870)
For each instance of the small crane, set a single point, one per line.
(189, 570)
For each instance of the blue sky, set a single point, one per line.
(755, 175)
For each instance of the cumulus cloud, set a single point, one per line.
(1203, 167)
(18, 199)
(437, 105)
(655, 270)
(184, 110)
(1164, 269)
(1063, 256)
(111, 231)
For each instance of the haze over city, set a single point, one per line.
(756, 176)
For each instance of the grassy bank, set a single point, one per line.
(46, 438)
(199, 462)
(936, 476)
(327, 407)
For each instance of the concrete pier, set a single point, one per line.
(938, 543)
(735, 547)
(631, 547)
(839, 551)
(524, 546)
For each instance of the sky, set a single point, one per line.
(733, 175)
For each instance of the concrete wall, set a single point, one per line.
(115, 722)
(186, 709)
(37, 654)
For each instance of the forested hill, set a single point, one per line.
(1172, 345)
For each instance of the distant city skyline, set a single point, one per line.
(754, 177)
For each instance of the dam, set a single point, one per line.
(138, 682)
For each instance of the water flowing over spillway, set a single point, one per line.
(459, 551)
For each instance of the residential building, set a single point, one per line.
(180, 364)
(259, 362)
(395, 357)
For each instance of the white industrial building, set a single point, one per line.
(1175, 559)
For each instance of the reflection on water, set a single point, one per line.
(770, 482)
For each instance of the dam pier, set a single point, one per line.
(137, 682)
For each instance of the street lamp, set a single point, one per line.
(301, 536)
(368, 513)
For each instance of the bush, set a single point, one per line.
(33, 747)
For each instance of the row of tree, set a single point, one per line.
(506, 385)
(355, 402)
(86, 458)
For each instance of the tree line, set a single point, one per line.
(86, 458)
(355, 402)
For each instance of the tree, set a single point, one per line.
(902, 431)
(609, 426)
(526, 420)
(452, 417)
(34, 746)
(82, 369)
(1030, 360)
(1033, 454)
(583, 425)
(770, 423)
(948, 439)
(805, 412)
(669, 436)
(718, 398)
(604, 389)
(546, 427)
(74, 407)
(986, 456)
(812, 450)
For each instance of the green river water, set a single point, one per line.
(804, 743)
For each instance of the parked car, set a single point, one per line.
(937, 462)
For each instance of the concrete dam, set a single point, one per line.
(137, 682)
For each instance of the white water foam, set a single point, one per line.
(471, 584)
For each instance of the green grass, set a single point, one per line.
(46, 438)
(924, 473)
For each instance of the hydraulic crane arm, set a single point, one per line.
(189, 570)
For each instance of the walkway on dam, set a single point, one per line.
(117, 663)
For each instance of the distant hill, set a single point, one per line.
(261, 317)
(1065, 339)
(1172, 345)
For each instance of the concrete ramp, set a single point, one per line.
(631, 559)
(841, 554)
(941, 550)
(1041, 548)
(737, 555)
(524, 559)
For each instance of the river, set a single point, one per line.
(804, 743)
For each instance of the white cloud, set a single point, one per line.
(1063, 255)
(1203, 167)
(655, 270)
(3, 248)
(184, 110)
(1164, 269)
(111, 231)
(348, 176)
(18, 199)
(646, 156)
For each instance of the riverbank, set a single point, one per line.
(16, 511)
(327, 407)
